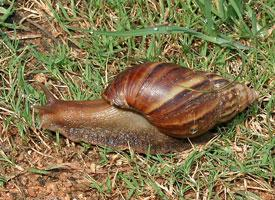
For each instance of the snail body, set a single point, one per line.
(151, 106)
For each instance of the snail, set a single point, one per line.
(150, 106)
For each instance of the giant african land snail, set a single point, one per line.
(149, 106)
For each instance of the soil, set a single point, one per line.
(52, 171)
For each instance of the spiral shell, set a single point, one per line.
(178, 101)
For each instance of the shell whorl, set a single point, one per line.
(178, 101)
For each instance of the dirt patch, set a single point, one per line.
(64, 171)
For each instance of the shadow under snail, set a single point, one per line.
(151, 106)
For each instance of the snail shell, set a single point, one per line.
(147, 104)
(180, 102)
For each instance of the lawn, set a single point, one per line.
(76, 48)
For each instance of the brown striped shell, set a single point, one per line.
(178, 101)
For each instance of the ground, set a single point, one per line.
(67, 45)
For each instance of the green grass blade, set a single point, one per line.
(209, 21)
(173, 29)
(220, 9)
(39, 171)
(236, 4)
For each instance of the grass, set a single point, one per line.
(93, 41)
